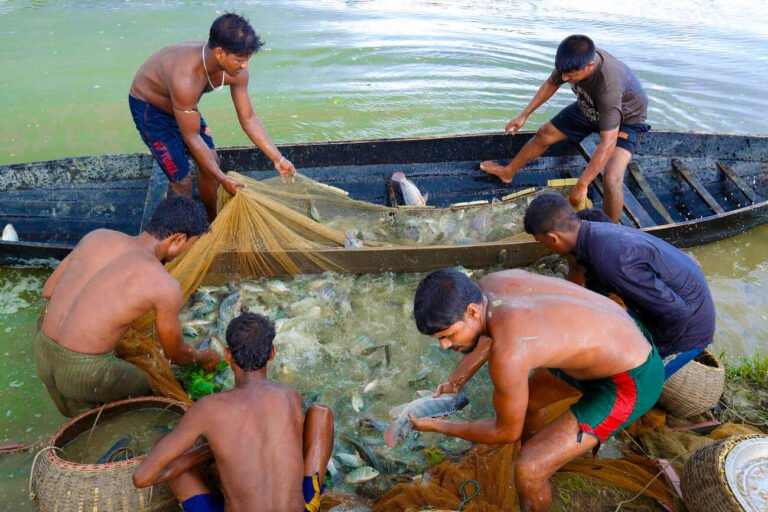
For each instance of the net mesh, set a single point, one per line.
(269, 224)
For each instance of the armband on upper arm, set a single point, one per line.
(185, 111)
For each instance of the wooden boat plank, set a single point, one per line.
(634, 170)
(396, 259)
(67, 230)
(696, 185)
(739, 182)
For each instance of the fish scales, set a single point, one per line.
(427, 407)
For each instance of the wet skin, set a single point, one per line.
(261, 458)
(173, 79)
(531, 322)
(109, 281)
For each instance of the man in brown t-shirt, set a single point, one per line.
(610, 100)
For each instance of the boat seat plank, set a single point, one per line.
(634, 170)
(696, 185)
(739, 182)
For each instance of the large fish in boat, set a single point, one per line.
(411, 193)
(425, 407)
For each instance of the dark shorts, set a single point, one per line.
(161, 134)
(613, 403)
(204, 503)
(576, 127)
(674, 362)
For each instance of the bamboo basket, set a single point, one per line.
(709, 484)
(59, 485)
(695, 388)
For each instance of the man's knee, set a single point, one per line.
(320, 413)
(528, 472)
(547, 134)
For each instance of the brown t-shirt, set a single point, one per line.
(611, 95)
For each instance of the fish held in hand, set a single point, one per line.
(411, 193)
(425, 407)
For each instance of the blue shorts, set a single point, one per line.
(161, 134)
(674, 362)
(204, 503)
(576, 127)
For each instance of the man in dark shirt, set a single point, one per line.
(610, 100)
(661, 285)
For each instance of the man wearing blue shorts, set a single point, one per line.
(164, 97)
(610, 100)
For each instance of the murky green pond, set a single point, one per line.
(335, 70)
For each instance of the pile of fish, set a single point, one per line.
(350, 342)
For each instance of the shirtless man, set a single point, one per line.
(262, 443)
(520, 322)
(108, 281)
(611, 101)
(164, 97)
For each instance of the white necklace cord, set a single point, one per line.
(207, 75)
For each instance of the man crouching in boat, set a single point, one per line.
(108, 281)
(164, 100)
(262, 443)
(535, 322)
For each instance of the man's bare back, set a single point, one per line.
(255, 434)
(104, 285)
(551, 323)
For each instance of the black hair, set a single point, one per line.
(574, 53)
(593, 215)
(178, 214)
(442, 299)
(549, 212)
(234, 34)
(250, 338)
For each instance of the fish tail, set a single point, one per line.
(390, 435)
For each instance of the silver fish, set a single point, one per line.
(361, 475)
(9, 234)
(351, 240)
(426, 407)
(411, 193)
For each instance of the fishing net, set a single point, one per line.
(270, 227)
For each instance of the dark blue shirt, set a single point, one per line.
(661, 284)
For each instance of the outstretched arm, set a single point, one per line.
(466, 369)
(161, 463)
(184, 97)
(253, 127)
(167, 307)
(546, 90)
(595, 166)
(510, 398)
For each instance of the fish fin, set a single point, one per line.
(425, 197)
(390, 437)
(423, 393)
(397, 410)
(398, 176)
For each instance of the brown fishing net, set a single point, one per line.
(269, 224)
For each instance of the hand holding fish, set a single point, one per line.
(448, 386)
(422, 424)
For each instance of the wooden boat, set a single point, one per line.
(686, 188)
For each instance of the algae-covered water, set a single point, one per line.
(335, 70)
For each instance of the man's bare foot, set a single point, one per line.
(497, 170)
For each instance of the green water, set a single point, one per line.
(336, 70)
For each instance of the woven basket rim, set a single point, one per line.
(54, 459)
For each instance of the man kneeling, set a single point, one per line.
(531, 322)
(262, 443)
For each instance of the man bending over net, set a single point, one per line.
(267, 452)
(519, 322)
